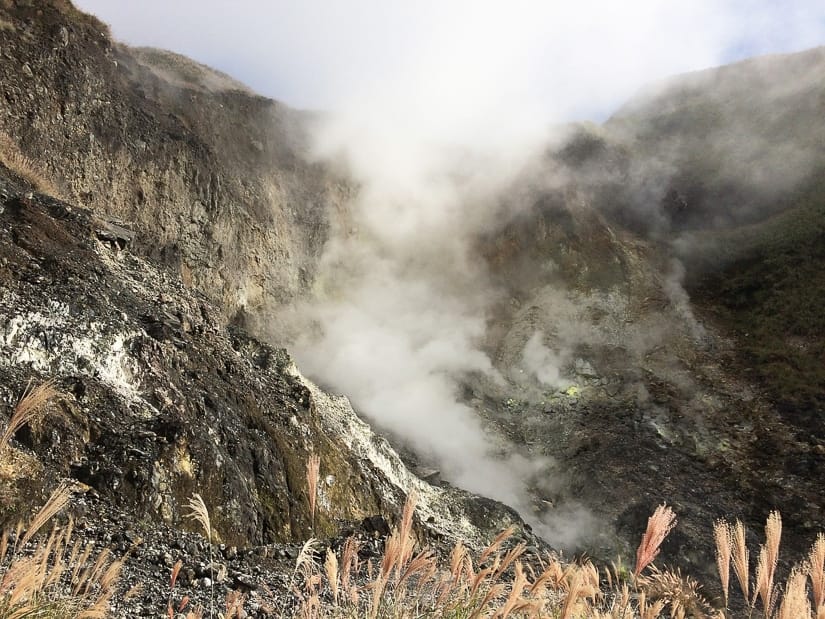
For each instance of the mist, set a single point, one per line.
(403, 300)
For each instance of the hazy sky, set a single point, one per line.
(562, 60)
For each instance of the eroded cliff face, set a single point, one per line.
(159, 400)
(180, 168)
(213, 179)
(634, 396)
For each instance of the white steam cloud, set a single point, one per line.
(542, 363)
(402, 308)
(403, 298)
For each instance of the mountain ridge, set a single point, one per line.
(636, 251)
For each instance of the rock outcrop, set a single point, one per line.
(213, 177)
(160, 400)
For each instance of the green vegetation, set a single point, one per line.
(769, 292)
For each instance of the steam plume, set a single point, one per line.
(402, 297)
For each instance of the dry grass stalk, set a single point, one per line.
(496, 543)
(493, 593)
(649, 611)
(57, 501)
(741, 559)
(551, 577)
(444, 589)
(398, 551)
(24, 167)
(199, 513)
(458, 558)
(349, 563)
(313, 474)
(30, 407)
(79, 562)
(305, 563)
(184, 602)
(173, 577)
(423, 566)
(766, 567)
(479, 580)
(331, 569)
(592, 585)
(34, 585)
(234, 605)
(74, 554)
(407, 584)
(514, 601)
(58, 567)
(658, 526)
(816, 571)
(773, 534)
(97, 570)
(4, 545)
(377, 587)
(196, 613)
(724, 544)
(680, 593)
(795, 604)
(572, 595)
(402, 585)
(763, 590)
(625, 596)
(509, 558)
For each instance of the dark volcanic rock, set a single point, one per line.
(214, 177)
(159, 400)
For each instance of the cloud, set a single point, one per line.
(560, 59)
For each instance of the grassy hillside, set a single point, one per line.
(766, 283)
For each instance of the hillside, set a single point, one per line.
(211, 176)
(671, 258)
(719, 147)
(643, 300)
(157, 400)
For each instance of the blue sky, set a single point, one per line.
(571, 59)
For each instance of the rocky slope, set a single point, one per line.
(158, 400)
(213, 175)
(679, 306)
(652, 402)
(668, 242)
(715, 148)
